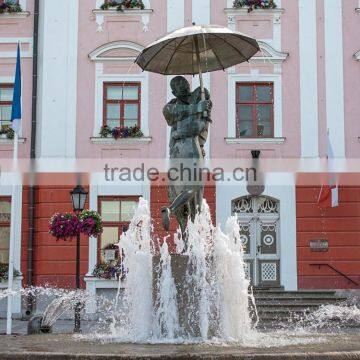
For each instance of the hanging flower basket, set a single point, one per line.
(121, 132)
(4, 272)
(254, 4)
(90, 223)
(64, 226)
(122, 5)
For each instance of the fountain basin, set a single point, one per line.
(334, 346)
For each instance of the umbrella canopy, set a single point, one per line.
(210, 46)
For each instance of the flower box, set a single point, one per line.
(123, 5)
(10, 7)
(251, 5)
(133, 132)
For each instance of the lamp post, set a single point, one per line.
(78, 199)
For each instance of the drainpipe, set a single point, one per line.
(30, 243)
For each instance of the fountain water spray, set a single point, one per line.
(196, 295)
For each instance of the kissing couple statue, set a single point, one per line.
(189, 118)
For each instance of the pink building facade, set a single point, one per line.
(293, 98)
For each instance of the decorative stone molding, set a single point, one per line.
(276, 13)
(268, 53)
(127, 141)
(276, 140)
(99, 54)
(232, 13)
(101, 14)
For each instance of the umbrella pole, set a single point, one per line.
(199, 65)
(204, 135)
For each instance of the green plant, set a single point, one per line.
(4, 272)
(90, 223)
(105, 131)
(121, 132)
(123, 4)
(10, 6)
(254, 4)
(8, 131)
(107, 270)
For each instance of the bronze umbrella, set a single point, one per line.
(196, 50)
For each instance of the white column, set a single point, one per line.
(175, 20)
(93, 242)
(334, 73)
(58, 78)
(308, 79)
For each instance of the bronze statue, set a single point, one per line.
(189, 118)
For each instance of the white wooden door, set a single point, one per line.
(259, 231)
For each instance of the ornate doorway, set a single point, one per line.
(258, 218)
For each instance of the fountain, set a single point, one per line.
(197, 294)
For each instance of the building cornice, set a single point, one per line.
(4, 141)
(277, 140)
(15, 15)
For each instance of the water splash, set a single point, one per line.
(197, 295)
(332, 317)
(136, 305)
(61, 305)
(166, 306)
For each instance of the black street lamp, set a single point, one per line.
(78, 198)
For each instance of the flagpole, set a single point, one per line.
(15, 118)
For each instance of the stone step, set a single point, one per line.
(299, 301)
(295, 293)
(284, 311)
(264, 297)
(289, 305)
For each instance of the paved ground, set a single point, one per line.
(342, 345)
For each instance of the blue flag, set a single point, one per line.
(16, 104)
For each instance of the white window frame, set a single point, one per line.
(101, 78)
(98, 188)
(254, 78)
(11, 80)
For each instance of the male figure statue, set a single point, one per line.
(189, 128)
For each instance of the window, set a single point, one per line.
(255, 110)
(116, 213)
(122, 104)
(14, 1)
(6, 98)
(5, 216)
